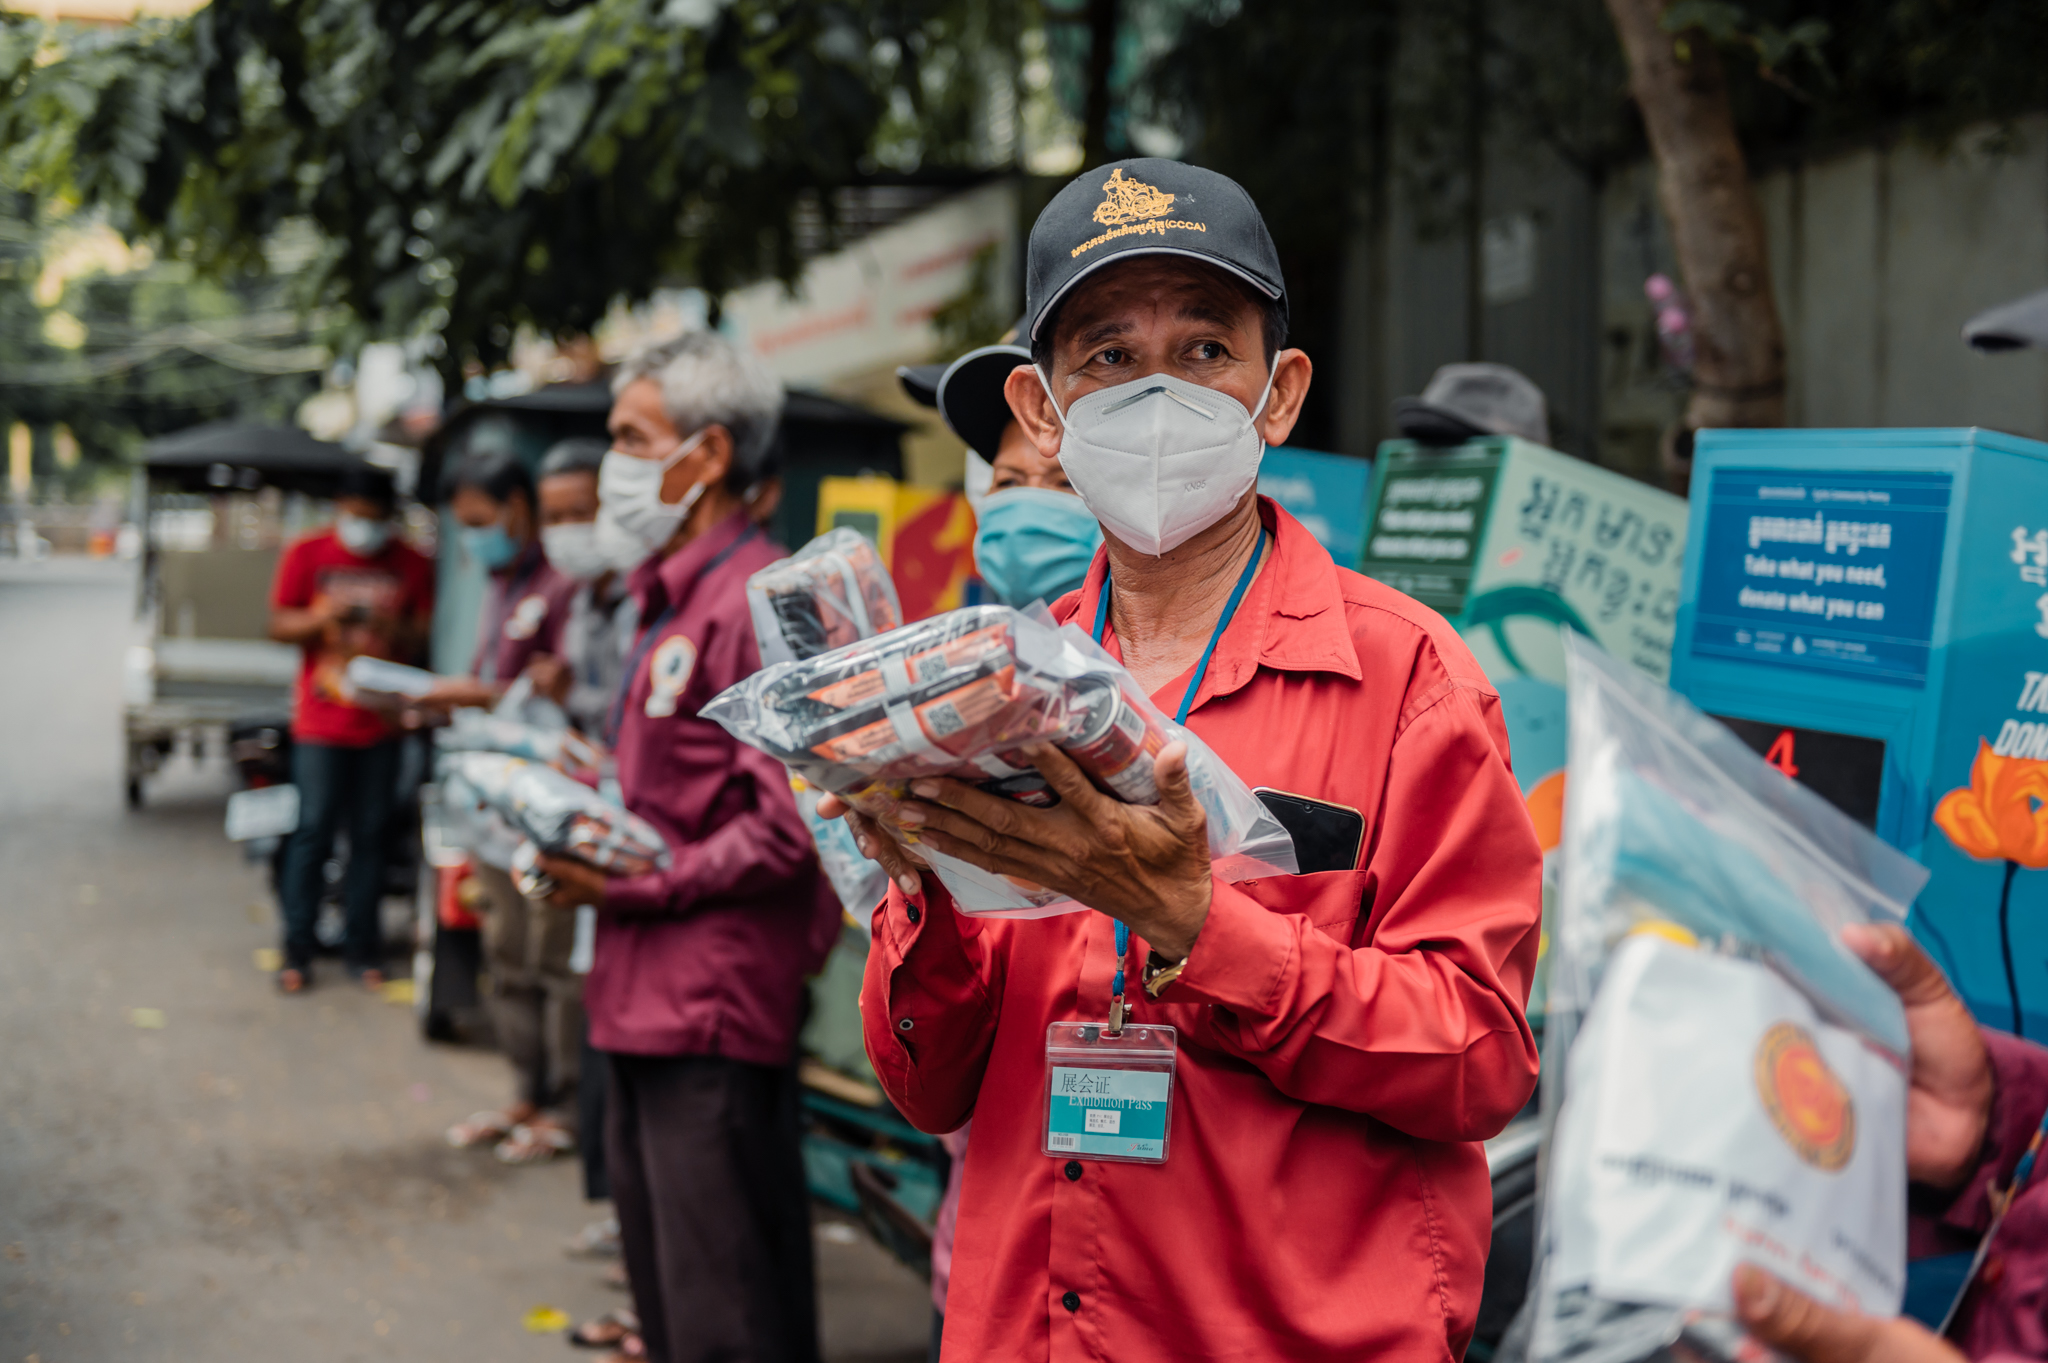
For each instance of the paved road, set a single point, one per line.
(254, 1178)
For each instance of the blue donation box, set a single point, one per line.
(1869, 610)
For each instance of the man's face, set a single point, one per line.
(1159, 315)
(568, 498)
(639, 426)
(477, 509)
(1019, 464)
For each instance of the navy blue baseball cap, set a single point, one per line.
(1146, 206)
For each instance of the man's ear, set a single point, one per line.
(1034, 411)
(1291, 374)
(708, 463)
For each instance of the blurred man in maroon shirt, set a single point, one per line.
(697, 981)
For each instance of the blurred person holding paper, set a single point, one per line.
(351, 589)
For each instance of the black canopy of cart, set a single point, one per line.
(236, 456)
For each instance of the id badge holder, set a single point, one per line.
(1108, 1096)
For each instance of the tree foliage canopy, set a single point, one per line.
(472, 166)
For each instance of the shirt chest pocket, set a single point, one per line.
(1334, 902)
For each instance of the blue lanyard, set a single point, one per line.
(618, 715)
(1187, 703)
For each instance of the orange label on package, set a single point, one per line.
(921, 668)
(850, 747)
(966, 707)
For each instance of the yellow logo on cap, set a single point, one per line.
(1132, 206)
(1129, 200)
(1810, 1106)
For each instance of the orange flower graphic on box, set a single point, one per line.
(2002, 815)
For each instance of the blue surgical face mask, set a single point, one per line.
(1034, 542)
(489, 545)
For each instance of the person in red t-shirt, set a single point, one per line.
(352, 588)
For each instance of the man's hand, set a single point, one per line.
(453, 693)
(1948, 1101)
(576, 882)
(901, 864)
(1801, 1328)
(1147, 865)
(551, 677)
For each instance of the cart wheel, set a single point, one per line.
(135, 792)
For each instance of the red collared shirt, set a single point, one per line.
(709, 956)
(1346, 1038)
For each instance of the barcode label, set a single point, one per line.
(1062, 1140)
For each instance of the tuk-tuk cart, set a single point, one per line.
(218, 502)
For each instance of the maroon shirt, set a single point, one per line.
(2005, 1316)
(709, 956)
(524, 613)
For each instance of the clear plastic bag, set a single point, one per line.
(830, 593)
(554, 812)
(1724, 1081)
(960, 695)
(381, 681)
(470, 730)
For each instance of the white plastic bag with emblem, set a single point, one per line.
(1724, 1080)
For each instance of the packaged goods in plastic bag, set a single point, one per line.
(960, 695)
(1725, 1080)
(830, 593)
(557, 814)
(471, 730)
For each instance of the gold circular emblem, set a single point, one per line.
(1808, 1104)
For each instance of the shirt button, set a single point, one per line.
(1073, 1170)
(905, 1025)
(912, 912)
(1072, 1301)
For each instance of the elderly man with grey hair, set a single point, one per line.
(697, 978)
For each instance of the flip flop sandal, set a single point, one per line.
(534, 1145)
(608, 1331)
(481, 1128)
(632, 1349)
(292, 980)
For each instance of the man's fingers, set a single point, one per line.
(1065, 776)
(1796, 1324)
(881, 849)
(942, 793)
(1891, 951)
(832, 807)
(1176, 791)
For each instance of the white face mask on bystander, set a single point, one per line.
(1160, 459)
(632, 520)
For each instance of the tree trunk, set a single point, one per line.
(1102, 18)
(1716, 226)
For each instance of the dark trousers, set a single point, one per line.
(707, 1175)
(593, 1080)
(350, 788)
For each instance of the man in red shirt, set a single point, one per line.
(351, 588)
(697, 980)
(1345, 1036)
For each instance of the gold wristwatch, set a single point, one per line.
(1159, 974)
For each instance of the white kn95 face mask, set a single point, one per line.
(1160, 459)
